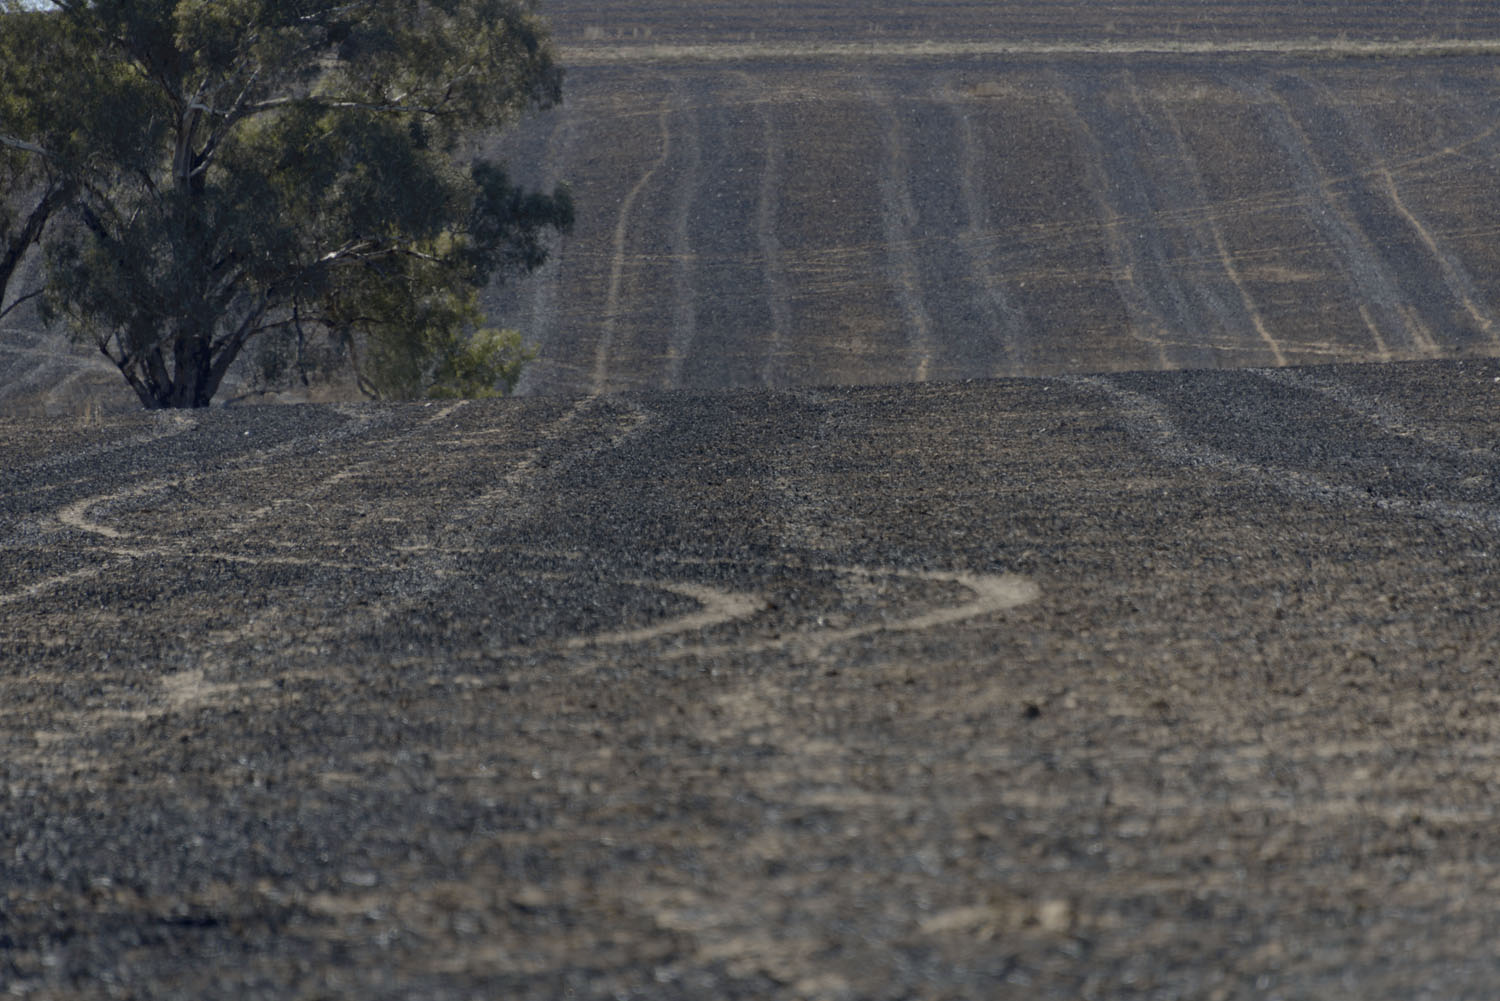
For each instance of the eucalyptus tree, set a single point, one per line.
(232, 169)
(56, 123)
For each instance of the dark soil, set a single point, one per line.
(1139, 686)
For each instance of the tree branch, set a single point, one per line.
(27, 297)
(227, 349)
(229, 119)
(25, 147)
(28, 235)
(388, 107)
(353, 249)
(372, 250)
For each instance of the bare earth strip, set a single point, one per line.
(1088, 207)
(1122, 220)
(1267, 237)
(766, 204)
(542, 287)
(587, 55)
(1380, 308)
(683, 257)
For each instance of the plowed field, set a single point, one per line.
(1162, 685)
(831, 219)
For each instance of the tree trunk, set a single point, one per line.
(186, 379)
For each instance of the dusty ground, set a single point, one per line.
(1137, 686)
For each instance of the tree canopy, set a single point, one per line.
(210, 172)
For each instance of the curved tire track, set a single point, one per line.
(989, 594)
(108, 541)
(601, 376)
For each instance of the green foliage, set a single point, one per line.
(440, 364)
(239, 169)
(54, 128)
(488, 363)
(434, 346)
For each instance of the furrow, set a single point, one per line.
(898, 216)
(688, 192)
(1002, 319)
(1124, 214)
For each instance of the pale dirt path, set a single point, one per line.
(646, 53)
(614, 301)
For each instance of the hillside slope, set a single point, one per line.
(1149, 685)
(825, 216)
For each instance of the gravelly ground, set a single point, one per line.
(1139, 686)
